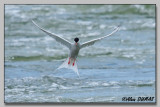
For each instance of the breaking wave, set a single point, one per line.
(50, 86)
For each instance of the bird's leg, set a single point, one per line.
(69, 61)
(74, 62)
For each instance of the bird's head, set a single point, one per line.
(76, 40)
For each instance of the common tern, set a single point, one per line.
(74, 48)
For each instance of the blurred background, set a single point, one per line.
(122, 65)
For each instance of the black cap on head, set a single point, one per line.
(76, 39)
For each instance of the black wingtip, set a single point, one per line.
(119, 25)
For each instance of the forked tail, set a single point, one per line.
(70, 64)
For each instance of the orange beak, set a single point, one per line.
(76, 43)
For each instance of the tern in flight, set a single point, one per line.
(74, 48)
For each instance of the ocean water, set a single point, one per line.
(122, 65)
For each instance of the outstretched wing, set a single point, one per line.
(57, 38)
(91, 42)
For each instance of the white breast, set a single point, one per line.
(74, 50)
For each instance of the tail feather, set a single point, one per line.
(70, 65)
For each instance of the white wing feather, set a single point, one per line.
(57, 38)
(91, 42)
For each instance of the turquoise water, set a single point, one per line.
(122, 65)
